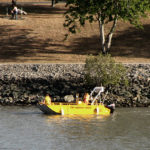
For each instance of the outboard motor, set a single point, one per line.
(111, 107)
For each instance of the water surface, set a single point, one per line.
(27, 128)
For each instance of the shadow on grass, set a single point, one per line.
(14, 46)
(130, 43)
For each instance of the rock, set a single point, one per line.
(11, 100)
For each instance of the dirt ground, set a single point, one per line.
(39, 38)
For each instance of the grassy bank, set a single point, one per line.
(39, 38)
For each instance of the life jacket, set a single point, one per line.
(47, 100)
(86, 98)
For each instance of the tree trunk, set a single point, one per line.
(110, 35)
(106, 41)
(102, 35)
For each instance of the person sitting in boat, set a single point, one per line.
(47, 100)
(86, 98)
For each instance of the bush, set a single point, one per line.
(102, 70)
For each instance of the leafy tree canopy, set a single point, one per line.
(104, 11)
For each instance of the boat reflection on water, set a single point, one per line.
(77, 118)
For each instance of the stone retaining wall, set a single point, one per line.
(23, 84)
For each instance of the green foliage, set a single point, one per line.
(102, 70)
(82, 10)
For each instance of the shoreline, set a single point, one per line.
(27, 84)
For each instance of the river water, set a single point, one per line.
(27, 128)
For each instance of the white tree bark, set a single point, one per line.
(102, 33)
(106, 41)
(110, 35)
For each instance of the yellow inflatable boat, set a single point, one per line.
(79, 107)
(66, 108)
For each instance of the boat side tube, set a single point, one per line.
(46, 110)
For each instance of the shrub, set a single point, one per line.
(103, 70)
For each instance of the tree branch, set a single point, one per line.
(109, 36)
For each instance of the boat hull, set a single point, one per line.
(67, 109)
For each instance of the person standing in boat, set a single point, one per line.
(86, 98)
(47, 100)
